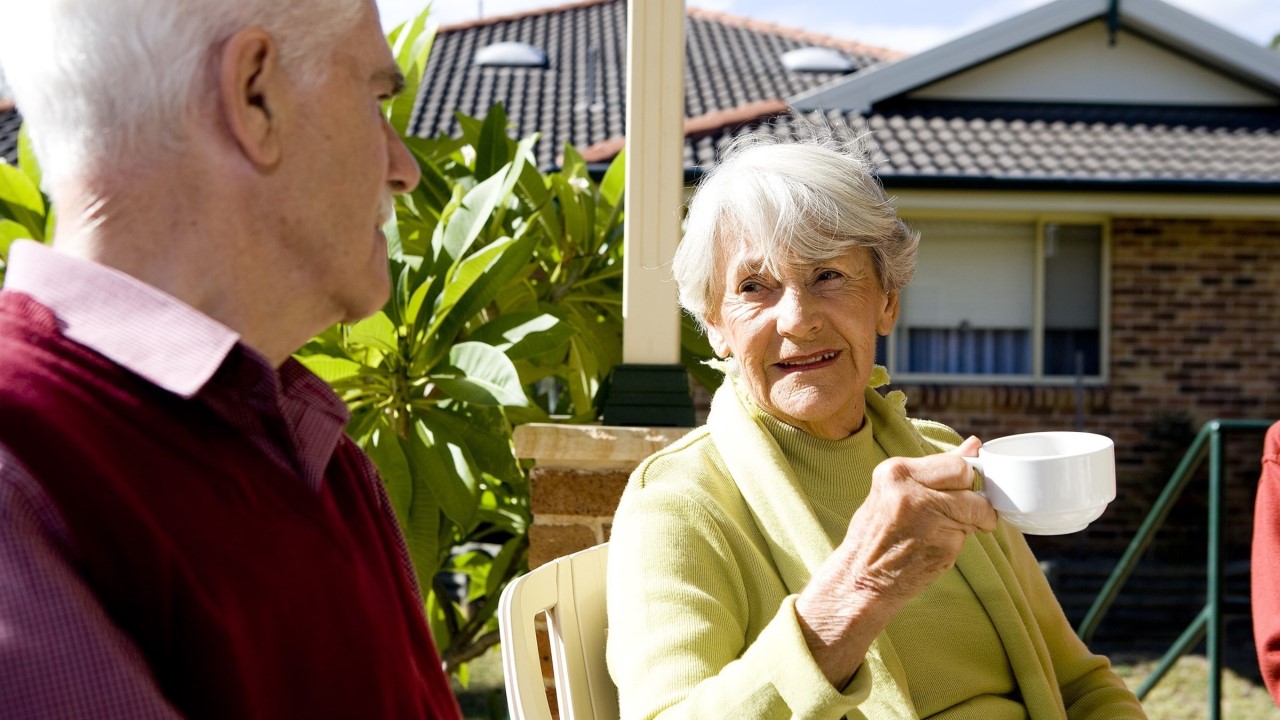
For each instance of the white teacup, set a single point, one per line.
(1048, 483)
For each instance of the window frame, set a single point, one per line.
(1037, 376)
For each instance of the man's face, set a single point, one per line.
(347, 163)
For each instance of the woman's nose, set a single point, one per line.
(797, 314)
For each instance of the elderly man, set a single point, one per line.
(184, 530)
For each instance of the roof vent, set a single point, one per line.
(816, 60)
(510, 54)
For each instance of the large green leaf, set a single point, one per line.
(21, 201)
(411, 43)
(512, 552)
(434, 187)
(474, 286)
(376, 331)
(488, 437)
(495, 148)
(470, 219)
(524, 335)
(385, 451)
(422, 529)
(10, 231)
(471, 270)
(440, 464)
(532, 189)
(611, 184)
(577, 225)
(330, 369)
(18, 191)
(482, 375)
(27, 157)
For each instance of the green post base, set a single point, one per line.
(648, 395)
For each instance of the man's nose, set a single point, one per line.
(403, 173)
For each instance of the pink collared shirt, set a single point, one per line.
(60, 655)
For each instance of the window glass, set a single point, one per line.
(970, 308)
(1072, 302)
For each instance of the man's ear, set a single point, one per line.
(889, 314)
(251, 93)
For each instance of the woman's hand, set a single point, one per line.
(908, 532)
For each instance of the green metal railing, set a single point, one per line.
(1208, 623)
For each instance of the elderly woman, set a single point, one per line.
(812, 552)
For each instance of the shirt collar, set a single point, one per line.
(137, 326)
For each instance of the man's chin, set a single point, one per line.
(372, 300)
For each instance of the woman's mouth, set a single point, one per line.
(808, 362)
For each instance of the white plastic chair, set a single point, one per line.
(570, 590)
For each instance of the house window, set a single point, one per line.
(1012, 301)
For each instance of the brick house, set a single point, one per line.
(1098, 192)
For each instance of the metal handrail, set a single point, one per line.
(1209, 621)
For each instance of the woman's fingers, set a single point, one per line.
(948, 480)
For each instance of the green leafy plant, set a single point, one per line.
(25, 211)
(505, 308)
(507, 288)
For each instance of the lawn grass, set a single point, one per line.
(1181, 695)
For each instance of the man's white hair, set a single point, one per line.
(800, 201)
(97, 81)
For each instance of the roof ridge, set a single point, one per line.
(695, 127)
(753, 25)
(520, 15)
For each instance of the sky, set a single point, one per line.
(906, 25)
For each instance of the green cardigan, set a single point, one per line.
(713, 540)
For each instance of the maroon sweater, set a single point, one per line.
(249, 595)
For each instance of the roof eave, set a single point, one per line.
(1142, 185)
(1206, 41)
(1175, 28)
(862, 90)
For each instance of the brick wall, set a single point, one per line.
(572, 509)
(1195, 335)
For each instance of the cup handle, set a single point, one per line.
(976, 464)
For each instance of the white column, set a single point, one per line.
(655, 177)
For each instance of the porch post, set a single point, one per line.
(651, 387)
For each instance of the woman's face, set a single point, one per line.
(806, 341)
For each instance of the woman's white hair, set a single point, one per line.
(99, 81)
(797, 201)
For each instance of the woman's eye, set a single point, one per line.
(826, 275)
(750, 286)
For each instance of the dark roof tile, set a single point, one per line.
(580, 98)
(1045, 142)
(10, 121)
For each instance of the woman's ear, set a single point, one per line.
(888, 314)
(716, 338)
